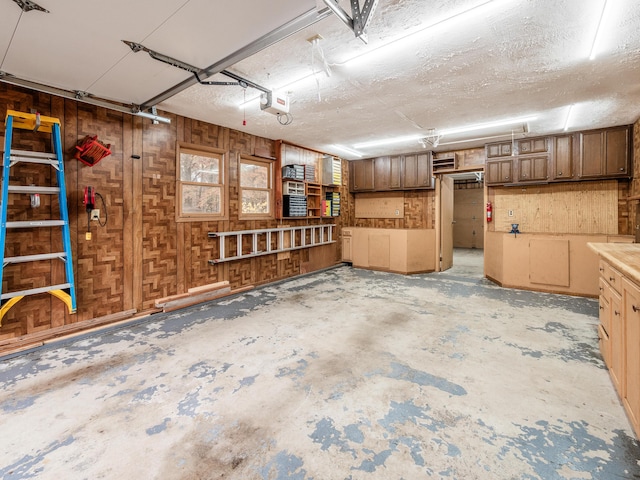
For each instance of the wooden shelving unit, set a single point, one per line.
(445, 163)
(314, 199)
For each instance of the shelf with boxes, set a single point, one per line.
(309, 183)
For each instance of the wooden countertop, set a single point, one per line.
(624, 257)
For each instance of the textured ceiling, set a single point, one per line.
(427, 64)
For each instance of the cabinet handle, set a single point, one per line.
(601, 269)
(622, 169)
(635, 309)
(601, 307)
(506, 178)
(601, 289)
(616, 312)
(559, 173)
(611, 279)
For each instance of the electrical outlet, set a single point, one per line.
(87, 236)
(511, 213)
(95, 214)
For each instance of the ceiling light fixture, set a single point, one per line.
(348, 151)
(566, 121)
(488, 125)
(433, 136)
(455, 16)
(389, 141)
(596, 39)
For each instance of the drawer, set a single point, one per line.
(611, 276)
(605, 346)
(605, 312)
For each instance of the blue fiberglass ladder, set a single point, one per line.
(35, 122)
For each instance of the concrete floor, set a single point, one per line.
(343, 374)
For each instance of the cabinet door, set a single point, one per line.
(631, 388)
(346, 249)
(562, 158)
(417, 171)
(382, 173)
(617, 152)
(532, 145)
(591, 154)
(361, 177)
(395, 178)
(616, 337)
(532, 168)
(499, 172)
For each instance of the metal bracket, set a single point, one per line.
(361, 17)
(28, 5)
(239, 81)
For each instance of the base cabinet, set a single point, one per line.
(619, 337)
(631, 396)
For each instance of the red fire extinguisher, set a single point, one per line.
(489, 212)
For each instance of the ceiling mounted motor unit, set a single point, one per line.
(274, 102)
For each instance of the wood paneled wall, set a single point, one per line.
(142, 254)
(579, 208)
(419, 212)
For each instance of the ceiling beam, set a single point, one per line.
(303, 21)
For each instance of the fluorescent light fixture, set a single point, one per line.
(348, 151)
(389, 141)
(596, 39)
(457, 15)
(566, 121)
(151, 116)
(483, 126)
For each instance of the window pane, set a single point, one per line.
(255, 201)
(252, 175)
(196, 199)
(197, 168)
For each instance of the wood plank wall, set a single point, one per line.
(577, 208)
(419, 212)
(142, 253)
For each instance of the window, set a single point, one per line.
(201, 183)
(256, 192)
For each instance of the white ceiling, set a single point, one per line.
(503, 59)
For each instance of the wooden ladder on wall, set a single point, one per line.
(36, 123)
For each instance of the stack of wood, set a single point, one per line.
(197, 295)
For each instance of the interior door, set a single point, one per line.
(446, 222)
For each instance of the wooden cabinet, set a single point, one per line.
(417, 171)
(531, 169)
(562, 157)
(631, 318)
(619, 336)
(532, 145)
(605, 153)
(387, 173)
(495, 150)
(361, 175)
(499, 172)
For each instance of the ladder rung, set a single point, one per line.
(35, 258)
(36, 223)
(34, 291)
(32, 157)
(33, 189)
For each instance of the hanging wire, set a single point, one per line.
(11, 40)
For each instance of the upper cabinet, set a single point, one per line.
(597, 154)
(388, 173)
(605, 153)
(563, 157)
(361, 175)
(417, 171)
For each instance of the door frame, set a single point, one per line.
(438, 209)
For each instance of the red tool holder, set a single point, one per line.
(91, 150)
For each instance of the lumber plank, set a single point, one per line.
(209, 287)
(160, 302)
(193, 299)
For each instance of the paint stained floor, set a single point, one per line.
(344, 374)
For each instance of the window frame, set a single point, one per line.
(270, 188)
(221, 155)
